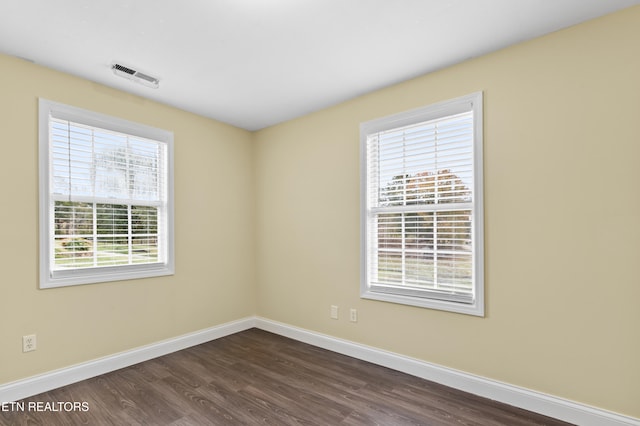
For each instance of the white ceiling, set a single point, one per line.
(255, 63)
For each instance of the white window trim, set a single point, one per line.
(454, 106)
(79, 276)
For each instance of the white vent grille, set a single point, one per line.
(134, 75)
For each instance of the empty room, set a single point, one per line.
(320, 212)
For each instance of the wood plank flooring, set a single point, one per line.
(255, 377)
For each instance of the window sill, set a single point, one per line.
(101, 275)
(476, 308)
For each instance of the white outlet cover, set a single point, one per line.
(29, 343)
(334, 312)
(353, 315)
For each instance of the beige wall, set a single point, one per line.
(562, 132)
(562, 145)
(213, 233)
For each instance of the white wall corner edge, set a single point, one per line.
(516, 396)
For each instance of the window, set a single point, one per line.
(106, 198)
(422, 207)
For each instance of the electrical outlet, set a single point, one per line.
(353, 315)
(334, 312)
(29, 343)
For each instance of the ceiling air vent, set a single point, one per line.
(137, 76)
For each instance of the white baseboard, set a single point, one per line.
(538, 402)
(35, 385)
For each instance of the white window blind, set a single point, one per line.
(107, 195)
(420, 206)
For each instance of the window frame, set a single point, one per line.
(88, 275)
(412, 296)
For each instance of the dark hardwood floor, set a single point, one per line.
(255, 377)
